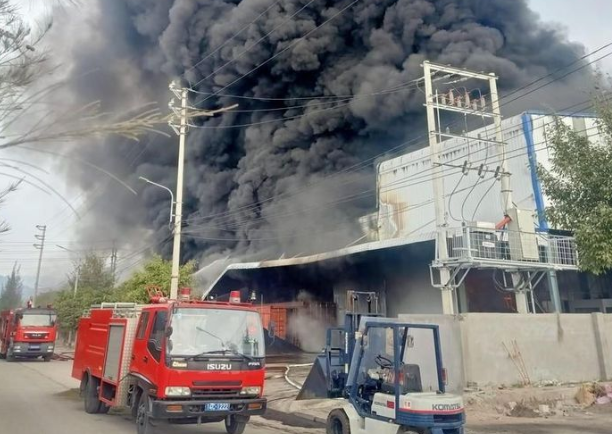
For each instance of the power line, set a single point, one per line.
(255, 205)
(212, 53)
(288, 47)
(286, 21)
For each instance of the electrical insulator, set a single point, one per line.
(483, 103)
(451, 98)
(497, 172)
(442, 99)
(467, 100)
(464, 169)
(475, 105)
(458, 101)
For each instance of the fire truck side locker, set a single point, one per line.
(105, 347)
(116, 380)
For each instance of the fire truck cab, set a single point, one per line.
(174, 361)
(27, 333)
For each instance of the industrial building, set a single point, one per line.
(394, 257)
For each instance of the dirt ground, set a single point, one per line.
(536, 410)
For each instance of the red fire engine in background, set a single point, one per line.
(180, 361)
(27, 332)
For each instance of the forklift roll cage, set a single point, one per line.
(399, 348)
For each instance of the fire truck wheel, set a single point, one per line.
(135, 402)
(92, 403)
(338, 423)
(47, 358)
(235, 424)
(144, 424)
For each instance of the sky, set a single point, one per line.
(29, 207)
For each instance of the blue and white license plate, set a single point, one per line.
(217, 406)
(34, 347)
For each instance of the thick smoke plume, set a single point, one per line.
(247, 170)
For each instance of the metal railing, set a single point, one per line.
(495, 247)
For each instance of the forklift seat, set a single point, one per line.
(409, 381)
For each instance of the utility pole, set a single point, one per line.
(74, 293)
(183, 115)
(113, 258)
(178, 206)
(41, 247)
(448, 305)
(520, 295)
(76, 280)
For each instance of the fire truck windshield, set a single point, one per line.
(37, 320)
(215, 332)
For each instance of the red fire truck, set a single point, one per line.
(175, 361)
(27, 333)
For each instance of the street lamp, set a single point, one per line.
(168, 190)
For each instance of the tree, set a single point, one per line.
(11, 291)
(579, 187)
(156, 272)
(95, 285)
(25, 91)
(4, 226)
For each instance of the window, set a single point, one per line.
(154, 344)
(142, 325)
(159, 326)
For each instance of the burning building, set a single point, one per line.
(394, 256)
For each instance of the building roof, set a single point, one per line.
(319, 257)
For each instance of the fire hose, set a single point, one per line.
(289, 380)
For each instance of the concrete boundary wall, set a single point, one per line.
(562, 348)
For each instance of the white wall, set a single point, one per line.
(563, 348)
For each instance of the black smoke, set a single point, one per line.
(247, 169)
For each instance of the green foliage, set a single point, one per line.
(156, 272)
(10, 298)
(579, 186)
(95, 285)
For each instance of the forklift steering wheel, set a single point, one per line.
(384, 362)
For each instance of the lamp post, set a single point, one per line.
(165, 188)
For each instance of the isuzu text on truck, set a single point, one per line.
(27, 333)
(175, 361)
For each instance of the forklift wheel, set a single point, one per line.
(235, 424)
(338, 422)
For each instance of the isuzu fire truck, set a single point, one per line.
(27, 333)
(177, 361)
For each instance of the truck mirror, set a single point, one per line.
(155, 344)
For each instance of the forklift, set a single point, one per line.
(391, 376)
(396, 383)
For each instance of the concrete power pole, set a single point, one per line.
(183, 115)
(113, 258)
(520, 296)
(178, 205)
(448, 305)
(41, 247)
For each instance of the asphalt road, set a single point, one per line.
(40, 398)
